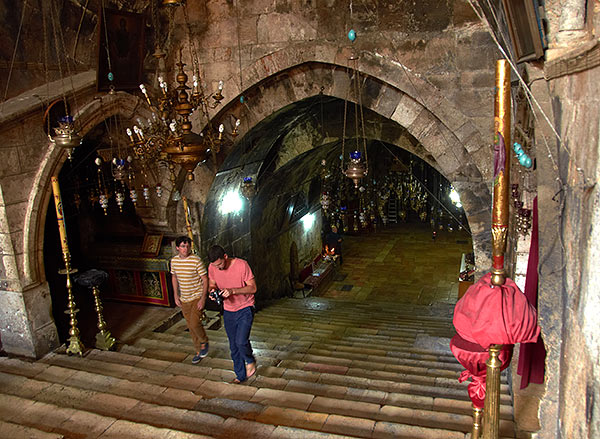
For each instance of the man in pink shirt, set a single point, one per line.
(235, 279)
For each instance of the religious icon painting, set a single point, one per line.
(120, 50)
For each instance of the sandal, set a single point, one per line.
(250, 371)
(236, 381)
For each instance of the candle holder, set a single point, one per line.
(75, 347)
(93, 279)
(75, 344)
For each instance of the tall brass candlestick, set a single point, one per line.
(188, 222)
(75, 345)
(501, 170)
(104, 340)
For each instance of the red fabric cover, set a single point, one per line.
(488, 315)
(532, 356)
(473, 357)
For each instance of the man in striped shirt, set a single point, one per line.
(190, 287)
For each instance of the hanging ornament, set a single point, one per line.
(146, 193)
(133, 196)
(120, 200)
(118, 169)
(159, 190)
(524, 159)
(325, 201)
(103, 200)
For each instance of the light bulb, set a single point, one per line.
(221, 128)
(237, 123)
(221, 85)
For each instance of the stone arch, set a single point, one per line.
(450, 141)
(89, 115)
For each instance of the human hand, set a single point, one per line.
(177, 300)
(227, 292)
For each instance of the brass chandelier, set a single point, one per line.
(168, 135)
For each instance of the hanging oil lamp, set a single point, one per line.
(356, 169)
(248, 188)
(65, 135)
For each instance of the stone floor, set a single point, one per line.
(401, 263)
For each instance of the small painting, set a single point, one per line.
(151, 245)
(120, 49)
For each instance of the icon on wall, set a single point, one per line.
(120, 50)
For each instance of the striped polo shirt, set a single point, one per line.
(188, 271)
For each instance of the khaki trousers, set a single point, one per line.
(193, 318)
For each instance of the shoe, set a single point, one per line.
(236, 381)
(204, 351)
(196, 359)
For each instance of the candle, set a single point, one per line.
(62, 230)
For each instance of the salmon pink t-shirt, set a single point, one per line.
(235, 276)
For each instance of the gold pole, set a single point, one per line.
(104, 340)
(500, 211)
(491, 420)
(188, 222)
(75, 345)
(500, 206)
(477, 414)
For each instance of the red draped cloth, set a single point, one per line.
(499, 314)
(490, 314)
(532, 356)
(473, 357)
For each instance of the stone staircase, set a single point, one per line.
(327, 369)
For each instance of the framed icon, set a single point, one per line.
(120, 49)
(151, 245)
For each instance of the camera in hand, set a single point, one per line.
(217, 296)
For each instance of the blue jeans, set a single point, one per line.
(238, 325)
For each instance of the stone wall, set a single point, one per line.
(575, 351)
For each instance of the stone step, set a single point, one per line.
(56, 404)
(183, 376)
(9, 430)
(401, 349)
(63, 421)
(261, 409)
(358, 354)
(277, 320)
(277, 317)
(365, 314)
(354, 364)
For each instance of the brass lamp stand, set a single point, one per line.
(75, 344)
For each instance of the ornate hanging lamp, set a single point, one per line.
(248, 188)
(169, 133)
(66, 136)
(357, 169)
